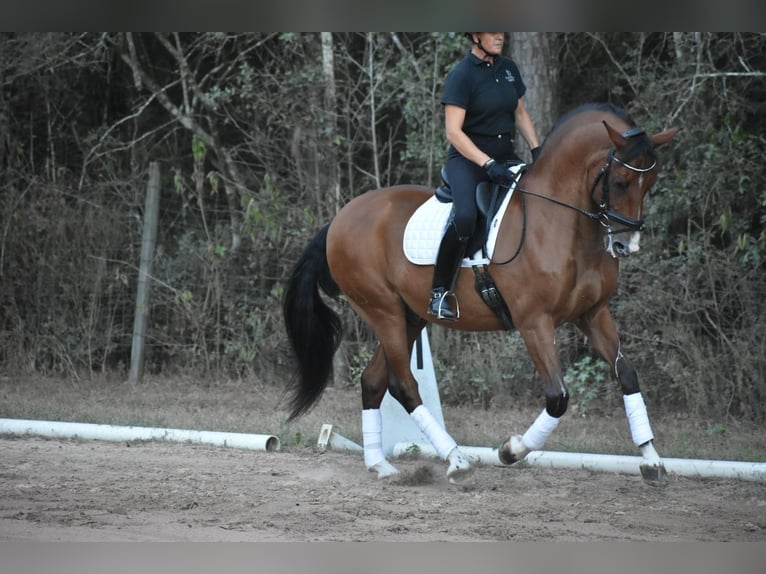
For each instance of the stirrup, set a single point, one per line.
(440, 308)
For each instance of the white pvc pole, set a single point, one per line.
(52, 429)
(754, 471)
(339, 442)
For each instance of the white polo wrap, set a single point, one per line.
(541, 429)
(640, 429)
(372, 437)
(442, 442)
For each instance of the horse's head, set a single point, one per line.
(626, 177)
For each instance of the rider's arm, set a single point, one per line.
(525, 126)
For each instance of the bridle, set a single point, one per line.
(605, 215)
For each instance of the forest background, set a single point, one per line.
(262, 137)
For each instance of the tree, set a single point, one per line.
(264, 135)
(536, 54)
(195, 107)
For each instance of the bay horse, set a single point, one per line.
(576, 210)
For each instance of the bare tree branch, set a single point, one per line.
(211, 140)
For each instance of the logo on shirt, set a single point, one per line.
(509, 76)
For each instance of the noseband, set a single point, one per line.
(605, 215)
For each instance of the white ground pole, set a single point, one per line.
(753, 471)
(398, 426)
(88, 431)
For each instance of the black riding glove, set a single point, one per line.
(536, 153)
(498, 172)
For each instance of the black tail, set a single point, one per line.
(313, 328)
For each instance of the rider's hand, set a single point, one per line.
(498, 172)
(536, 153)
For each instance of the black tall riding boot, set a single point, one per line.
(448, 260)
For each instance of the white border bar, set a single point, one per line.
(753, 471)
(52, 429)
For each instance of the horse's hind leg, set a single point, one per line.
(374, 383)
(396, 337)
(404, 388)
(446, 447)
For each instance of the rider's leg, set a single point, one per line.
(463, 176)
(448, 262)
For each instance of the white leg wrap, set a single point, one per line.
(541, 429)
(436, 435)
(372, 437)
(640, 429)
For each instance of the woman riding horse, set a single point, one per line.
(576, 210)
(483, 105)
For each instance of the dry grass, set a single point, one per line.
(257, 407)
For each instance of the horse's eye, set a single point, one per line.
(621, 184)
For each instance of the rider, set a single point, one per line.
(483, 108)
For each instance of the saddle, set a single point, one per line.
(489, 198)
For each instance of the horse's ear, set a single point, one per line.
(663, 137)
(617, 139)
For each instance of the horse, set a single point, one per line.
(576, 211)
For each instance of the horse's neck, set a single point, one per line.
(571, 173)
(563, 223)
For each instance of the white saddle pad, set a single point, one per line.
(425, 229)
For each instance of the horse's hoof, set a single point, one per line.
(654, 473)
(459, 466)
(384, 469)
(507, 450)
(504, 453)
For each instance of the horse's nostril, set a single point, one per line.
(620, 248)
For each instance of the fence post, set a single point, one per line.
(148, 241)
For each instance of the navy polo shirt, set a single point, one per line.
(488, 93)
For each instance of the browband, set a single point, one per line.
(632, 132)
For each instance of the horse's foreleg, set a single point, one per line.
(602, 332)
(541, 345)
(652, 468)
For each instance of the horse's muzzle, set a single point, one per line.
(623, 245)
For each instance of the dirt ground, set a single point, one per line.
(71, 490)
(77, 490)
